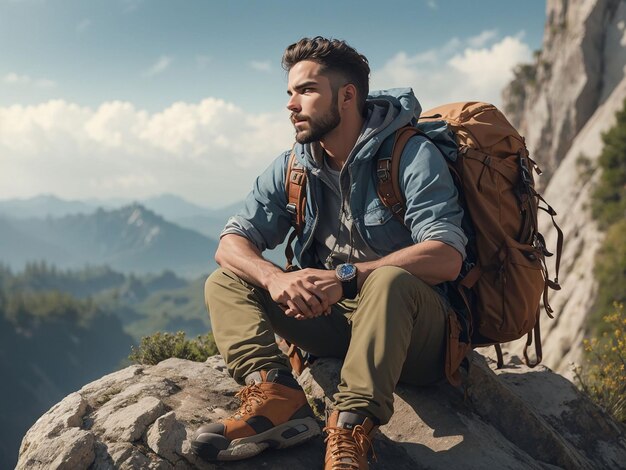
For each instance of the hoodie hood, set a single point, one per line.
(387, 111)
(402, 100)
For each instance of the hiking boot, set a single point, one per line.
(274, 412)
(348, 441)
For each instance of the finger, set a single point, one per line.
(302, 307)
(320, 296)
(292, 310)
(313, 303)
(294, 313)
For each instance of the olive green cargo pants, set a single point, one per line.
(394, 331)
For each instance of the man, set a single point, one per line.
(366, 291)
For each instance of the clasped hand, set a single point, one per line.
(307, 293)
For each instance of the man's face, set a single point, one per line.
(312, 102)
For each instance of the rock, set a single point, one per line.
(166, 437)
(142, 417)
(72, 449)
(580, 64)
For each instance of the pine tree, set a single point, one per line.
(609, 209)
(609, 198)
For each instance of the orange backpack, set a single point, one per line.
(505, 276)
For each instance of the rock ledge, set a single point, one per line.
(141, 417)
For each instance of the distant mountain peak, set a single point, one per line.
(129, 238)
(135, 217)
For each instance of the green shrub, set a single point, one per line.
(160, 346)
(602, 377)
(610, 271)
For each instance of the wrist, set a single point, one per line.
(363, 271)
(269, 277)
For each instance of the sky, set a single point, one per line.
(134, 98)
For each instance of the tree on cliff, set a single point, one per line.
(609, 209)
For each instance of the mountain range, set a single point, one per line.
(173, 208)
(129, 239)
(158, 233)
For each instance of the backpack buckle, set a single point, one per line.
(291, 208)
(297, 177)
(525, 170)
(397, 208)
(384, 170)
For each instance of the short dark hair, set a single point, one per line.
(334, 56)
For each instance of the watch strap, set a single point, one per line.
(350, 288)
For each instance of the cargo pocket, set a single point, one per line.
(509, 293)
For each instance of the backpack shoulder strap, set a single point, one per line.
(295, 187)
(388, 172)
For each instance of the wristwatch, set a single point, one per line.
(346, 273)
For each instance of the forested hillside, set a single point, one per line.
(60, 329)
(50, 344)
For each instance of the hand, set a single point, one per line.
(332, 287)
(305, 293)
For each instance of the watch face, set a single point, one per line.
(346, 271)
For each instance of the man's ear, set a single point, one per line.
(348, 96)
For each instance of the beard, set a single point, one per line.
(318, 126)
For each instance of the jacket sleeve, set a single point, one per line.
(433, 211)
(264, 219)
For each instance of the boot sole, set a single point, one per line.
(291, 433)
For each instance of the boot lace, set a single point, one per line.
(347, 446)
(250, 396)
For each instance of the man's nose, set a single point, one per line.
(293, 104)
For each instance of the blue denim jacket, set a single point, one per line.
(432, 209)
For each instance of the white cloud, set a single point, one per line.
(483, 38)
(83, 25)
(261, 66)
(17, 79)
(432, 4)
(160, 66)
(208, 152)
(476, 68)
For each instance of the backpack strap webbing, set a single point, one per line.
(295, 187)
(388, 172)
(529, 341)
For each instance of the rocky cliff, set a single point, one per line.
(562, 104)
(578, 68)
(514, 418)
